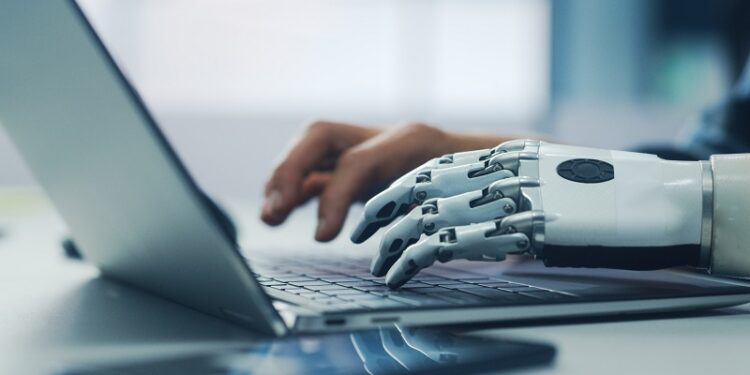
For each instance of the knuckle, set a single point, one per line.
(435, 160)
(348, 158)
(318, 126)
(419, 128)
(356, 161)
(348, 171)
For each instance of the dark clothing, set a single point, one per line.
(722, 129)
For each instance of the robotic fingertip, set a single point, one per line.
(395, 283)
(364, 230)
(367, 226)
(400, 273)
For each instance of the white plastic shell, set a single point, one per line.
(650, 201)
(731, 215)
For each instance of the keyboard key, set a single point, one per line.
(309, 283)
(466, 286)
(287, 288)
(398, 293)
(363, 296)
(403, 292)
(421, 277)
(291, 278)
(344, 292)
(443, 282)
(359, 283)
(497, 284)
(315, 274)
(338, 278)
(362, 274)
(297, 270)
(520, 288)
(372, 278)
(321, 297)
(405, 300)
(471, 278)
(476, 280)
(275, 274)
(411, 286)
(372, 288)
(272, 283)
(449, 273)
(326, 288)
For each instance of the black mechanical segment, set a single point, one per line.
(587, 171)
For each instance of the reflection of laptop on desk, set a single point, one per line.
(136, 213)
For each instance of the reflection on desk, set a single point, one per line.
(386, 350)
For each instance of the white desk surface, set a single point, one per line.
(55, 312)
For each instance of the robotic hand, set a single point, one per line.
(570, 206)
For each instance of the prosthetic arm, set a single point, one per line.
(569, 206)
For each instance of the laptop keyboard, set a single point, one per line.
(346, 284)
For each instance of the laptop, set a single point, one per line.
(136, 213)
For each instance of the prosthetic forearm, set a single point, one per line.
(570, 206)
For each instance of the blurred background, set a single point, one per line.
(231, 81)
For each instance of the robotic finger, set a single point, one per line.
(489, 241)
(500, 199)
(434, 214)
(442, 177)
(469, 157)
(393, 202)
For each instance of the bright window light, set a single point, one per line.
(486, 60)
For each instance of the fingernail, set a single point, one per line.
(272, 203)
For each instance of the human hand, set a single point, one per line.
(341, 163)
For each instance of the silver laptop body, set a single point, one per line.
(135, 213)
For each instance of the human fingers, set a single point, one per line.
(318, 147)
